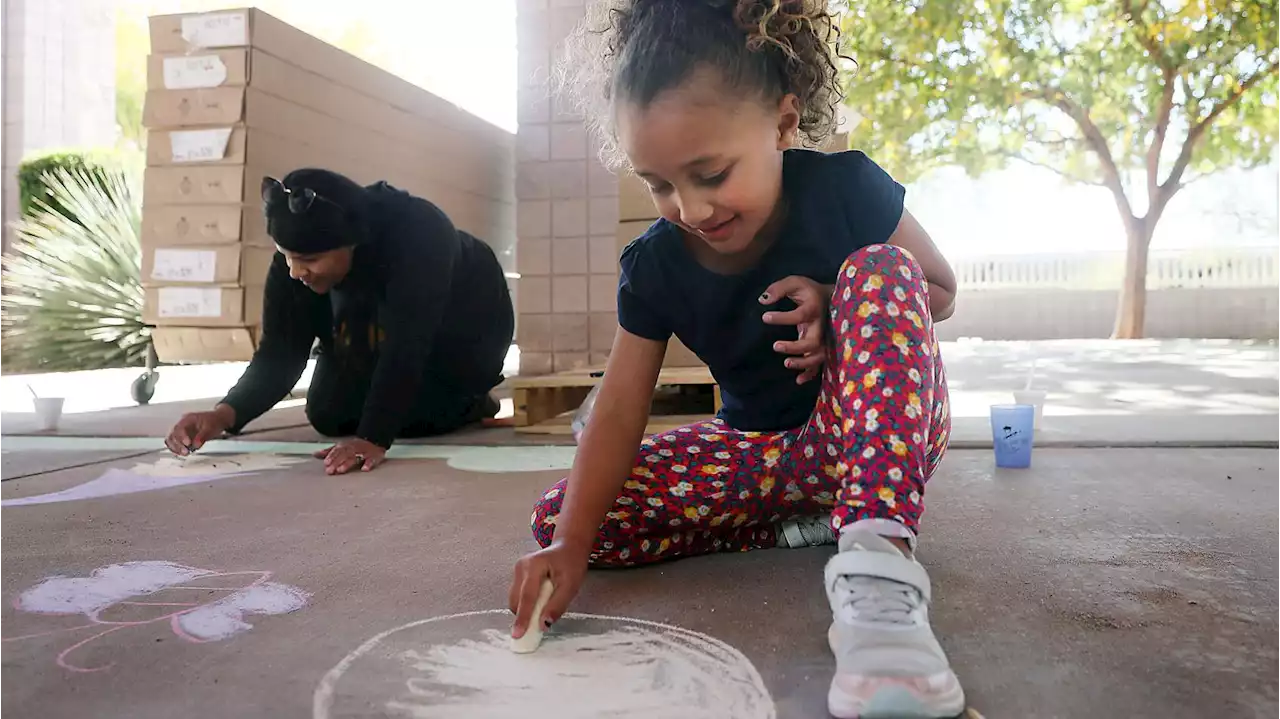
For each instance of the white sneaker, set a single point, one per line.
(805, 532)
(888, 663)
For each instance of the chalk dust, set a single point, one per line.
(242, 593)
(588, 666)
(225, 617)
(104, 587)
(164, 473)
(212, 465)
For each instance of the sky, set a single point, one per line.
(469, 57)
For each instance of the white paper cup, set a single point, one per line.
(1033, 397)
(48, 412)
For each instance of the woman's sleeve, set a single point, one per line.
(287, 334)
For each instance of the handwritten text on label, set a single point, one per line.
(194, 72)
(184, 265)
(199, 145)
(190, 301)
(216, 29)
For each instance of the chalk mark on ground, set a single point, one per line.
(110, 590)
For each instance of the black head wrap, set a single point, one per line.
(312, 211)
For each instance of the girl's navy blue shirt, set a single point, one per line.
(838, 203)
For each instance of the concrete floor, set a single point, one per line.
(1101, 583)
(1079, 431)
(1138, 429)
(1140, 393)
(1105, 378)
(154, 420)
(1132, 572)
(15, 465)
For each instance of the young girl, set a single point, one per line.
(809, 292)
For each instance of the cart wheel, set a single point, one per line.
(144, 387)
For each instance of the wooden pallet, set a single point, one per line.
(545, 404)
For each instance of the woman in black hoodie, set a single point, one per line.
(413, 317)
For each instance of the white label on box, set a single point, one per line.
(190, 302)
(194, 72)
(199, 145)
(184, 265)
(216, 29)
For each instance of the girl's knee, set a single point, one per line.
(891, 262)
(883, 274)
(542, 533)
(545, 512)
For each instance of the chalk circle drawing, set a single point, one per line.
(461, 666)
(199, 605)
(164, 473)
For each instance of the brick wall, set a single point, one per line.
(567, 212)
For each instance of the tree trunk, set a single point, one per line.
(1131, 313)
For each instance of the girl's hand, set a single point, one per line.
(565, 565)
(809, 317)
(606, 456)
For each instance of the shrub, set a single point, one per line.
(73, 291)
(34, 171)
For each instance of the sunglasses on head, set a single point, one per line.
(299, 201)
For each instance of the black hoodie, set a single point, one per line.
(436, 294)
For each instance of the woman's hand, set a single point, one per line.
(196, 428)
(566, 566)
(810, 318)
(350, 454)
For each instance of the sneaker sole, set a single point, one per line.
(935, 697)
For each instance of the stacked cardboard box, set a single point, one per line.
(237, 95)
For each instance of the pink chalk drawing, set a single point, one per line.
(200, 605)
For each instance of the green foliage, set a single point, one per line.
(35, 171)
(1106, 92)
(1088, 88)
(73, 296)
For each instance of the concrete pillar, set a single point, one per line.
(12, 25)
(59, 82)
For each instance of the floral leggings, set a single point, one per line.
(875, 437)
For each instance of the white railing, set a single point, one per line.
(1186, 269)
(1210, 293)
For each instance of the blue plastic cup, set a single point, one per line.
(1012, 432)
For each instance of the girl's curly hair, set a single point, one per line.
(633, 50)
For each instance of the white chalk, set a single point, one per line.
(533, 635)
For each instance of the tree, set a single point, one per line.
(1138, 96)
